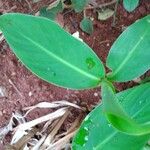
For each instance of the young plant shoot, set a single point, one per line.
(122, 121)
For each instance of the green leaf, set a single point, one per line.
(87, 25)
(79, 5)
(96, 133)
(146, 147)
(51, 13)
(118, 117)
(130, 53)
(50, 52)
(47, 14)
(130, 5)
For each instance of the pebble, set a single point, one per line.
(3, 92)
(95, 94)
(30, 93)
(13, 73)
(4, 111)
(76, 92)
(107, 44)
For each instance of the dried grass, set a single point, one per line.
(49, 136)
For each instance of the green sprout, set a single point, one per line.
(122, 121)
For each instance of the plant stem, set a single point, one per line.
(115, 13)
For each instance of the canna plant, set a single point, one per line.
(122, 121)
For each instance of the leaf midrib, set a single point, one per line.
(73, 67)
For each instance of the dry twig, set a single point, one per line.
(95, 5)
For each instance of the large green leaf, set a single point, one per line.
(130, 5)
(79, 5)
(117, 116)
(50, 52)
(129, 55)
(96, 133)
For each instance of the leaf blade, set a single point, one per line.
(130, 5)
(125, 59)
(102, 136)
(79, 5)
(51, 53)
(118, 117)
(87, 25)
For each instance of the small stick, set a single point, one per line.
(115, 13)
(105, 41)
(101, 5)
(10, 81)
(75, 125)
(93, 42)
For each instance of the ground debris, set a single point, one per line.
(31, 135)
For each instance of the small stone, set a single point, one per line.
(76, 92)
(82, 33)
(95, 94)
(107, 44)
(30, 93)
(3, 92)
(4, 111)
(13, 73)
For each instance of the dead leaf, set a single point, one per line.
(105, 14)
(27, 136)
